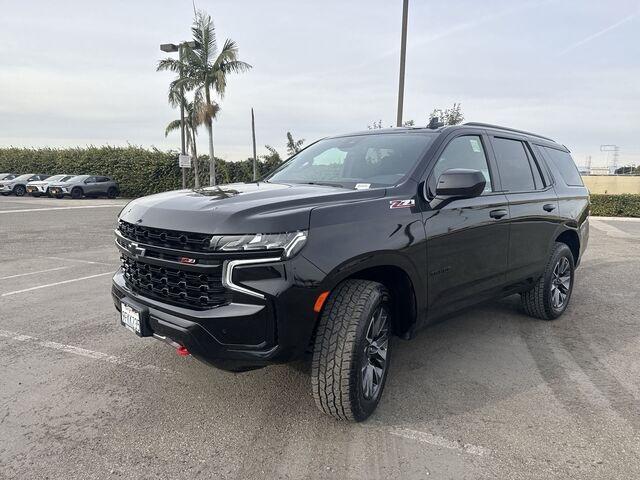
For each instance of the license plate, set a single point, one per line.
(30, 189)
(130, 318)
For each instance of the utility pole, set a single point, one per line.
(255, 159)
(403, 56)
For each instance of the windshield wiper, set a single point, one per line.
(326, 184)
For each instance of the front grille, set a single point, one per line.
(195, 242)
(191, 289)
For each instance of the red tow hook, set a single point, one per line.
(182, 351)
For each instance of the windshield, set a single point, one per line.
(362, 161)
(57, 178)
(8, 176)
(77, 178)
(24, 177)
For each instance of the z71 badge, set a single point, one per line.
(407, 203)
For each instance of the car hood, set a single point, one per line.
(39, 182)
(239, 207)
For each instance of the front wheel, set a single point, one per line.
(19, 191)
(76, 193)
(352, 350)
(549, 297)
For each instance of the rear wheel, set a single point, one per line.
(549, 297)
(112, 192)
(352, 350)
(19, 190)
(76, 193)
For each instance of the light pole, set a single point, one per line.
(169, 48)
(403, 56)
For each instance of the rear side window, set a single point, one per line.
(565, 164)
(515, 169)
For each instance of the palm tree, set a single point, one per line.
(192, 120)
(206, 68)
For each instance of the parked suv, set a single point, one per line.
(41, 187)
(7, 176)
(18, 185)
(86, 185)
(353, 240)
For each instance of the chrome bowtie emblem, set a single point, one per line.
(136, 249)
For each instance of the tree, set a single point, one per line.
(450, 116)
(293, 146)
(206, 68)
(193, 118)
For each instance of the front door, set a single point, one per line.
(467, 240)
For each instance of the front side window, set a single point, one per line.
(377, 160)
(463, 152)
(516, 174)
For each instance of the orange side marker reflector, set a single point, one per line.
(320, 301)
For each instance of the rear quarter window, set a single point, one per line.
(565, 165)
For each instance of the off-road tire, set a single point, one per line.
(537, 302)
(339, 350)
(76, 193)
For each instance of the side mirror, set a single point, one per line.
(458, 183)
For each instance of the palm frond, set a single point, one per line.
(173, 125)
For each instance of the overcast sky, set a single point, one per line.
(74, 73)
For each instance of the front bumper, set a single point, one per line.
(249, 332)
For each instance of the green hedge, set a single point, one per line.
(624, 205)
(139, 171)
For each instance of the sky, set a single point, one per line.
(75, 73)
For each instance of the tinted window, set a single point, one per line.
(376, 160)
(513, 163)
(102, 179)
(463, 152)
(566, 165)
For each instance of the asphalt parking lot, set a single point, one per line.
(490, 393)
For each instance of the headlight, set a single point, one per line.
(291, 242)
(65, 189)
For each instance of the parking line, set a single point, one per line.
(55, 284)
(438, 441)
(90, 262)
(33, 273)
(61, 208)
(81, 352)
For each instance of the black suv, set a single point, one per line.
(354, 239)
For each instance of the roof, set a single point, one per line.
(448, 128)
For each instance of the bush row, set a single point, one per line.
(139, 171)
(623, 205)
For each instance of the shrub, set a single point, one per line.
(139, 171)
(624, 205)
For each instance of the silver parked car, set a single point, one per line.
(7, 176)
(18, 185)
(41, 187)
(86, 185)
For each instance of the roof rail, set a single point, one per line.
(488, 125)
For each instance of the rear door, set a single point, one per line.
(102, 184)
(467, 240)
(533, 204)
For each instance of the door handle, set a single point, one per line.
(498, 213)
(549, 207)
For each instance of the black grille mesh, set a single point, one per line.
(196, 242)
(181, 287)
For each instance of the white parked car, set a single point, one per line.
(41, 187)
(18, 185)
